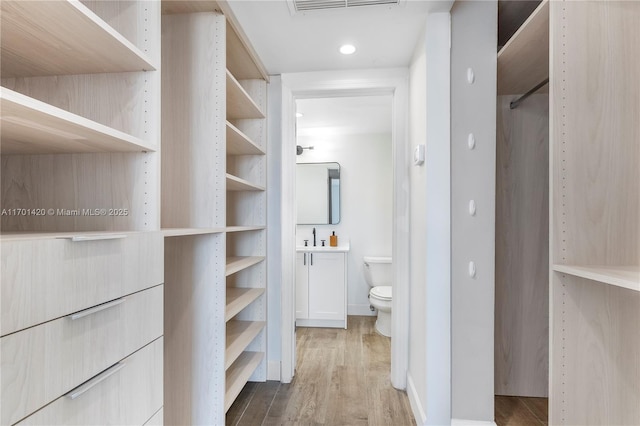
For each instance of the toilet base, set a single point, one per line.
(383, 323)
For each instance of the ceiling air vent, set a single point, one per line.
(309, 5)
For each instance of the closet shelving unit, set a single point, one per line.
(80, 195)
(595, 219)
(246, 83)
(522, 197)
(594, 211)
(214, 207)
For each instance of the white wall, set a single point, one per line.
(366, 185)
(429, 373)
(473, 110)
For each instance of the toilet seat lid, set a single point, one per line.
(382, 292)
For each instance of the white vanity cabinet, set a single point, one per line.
(321, 287)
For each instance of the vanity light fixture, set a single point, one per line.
(347, 49)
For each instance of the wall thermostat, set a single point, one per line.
(418, 155)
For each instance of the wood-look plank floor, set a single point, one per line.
(342, 378)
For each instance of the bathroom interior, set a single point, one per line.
(344, 199)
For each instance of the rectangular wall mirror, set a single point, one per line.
(318, 193)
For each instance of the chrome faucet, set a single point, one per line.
(314, 237)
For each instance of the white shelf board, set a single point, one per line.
(181, 232)
(238, 374)
(239, 103)
(30, 126)
(620, 276)
(234, 183)
(240, 298)
(523, 62)
(245, 228)
(60, 38)
(239, 335)
(238, 263)
(239, 144)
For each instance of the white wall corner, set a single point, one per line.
(414, 401)
(273, 370)
(360, 310)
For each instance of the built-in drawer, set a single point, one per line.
(46, 278)
(128, 393)
(39, 364)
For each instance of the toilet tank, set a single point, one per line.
(378, 271)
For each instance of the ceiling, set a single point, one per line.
(384, 35)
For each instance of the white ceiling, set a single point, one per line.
(385, 35)
(325, 117)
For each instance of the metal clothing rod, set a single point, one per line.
(514, 104)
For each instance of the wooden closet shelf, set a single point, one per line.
(181, 232)
(524, 61)
(240, 298)
(170, 7)
(238, 374)
(30, 126)
(239, 144)
(241, 60)
(234, 183)
(238, 263)
(239, 103)
(239, 335)
(245, 228)
(59, 38)
(620, 276)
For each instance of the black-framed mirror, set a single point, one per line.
(318, 193)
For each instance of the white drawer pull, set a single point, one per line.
(75, 393)
(97, 237)
(95, 309)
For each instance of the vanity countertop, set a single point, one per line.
(344, 247)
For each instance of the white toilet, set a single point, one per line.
(378, 273)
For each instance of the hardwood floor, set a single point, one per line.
(342, 378)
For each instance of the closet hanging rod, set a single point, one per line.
(514, 104)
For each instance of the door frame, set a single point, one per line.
(295, 86)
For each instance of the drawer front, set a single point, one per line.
(129, 394)
(41, 363)
(44, 279)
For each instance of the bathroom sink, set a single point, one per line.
(341, 248)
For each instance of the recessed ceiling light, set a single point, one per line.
(299, 114)
(347, 49)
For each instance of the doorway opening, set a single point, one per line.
(328, 87)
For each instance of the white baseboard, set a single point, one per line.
(463, 422)
(360, 310)
(414, 401)
(273, 370)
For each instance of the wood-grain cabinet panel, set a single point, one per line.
(44, 279)
(131, 396)
(41, 363)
